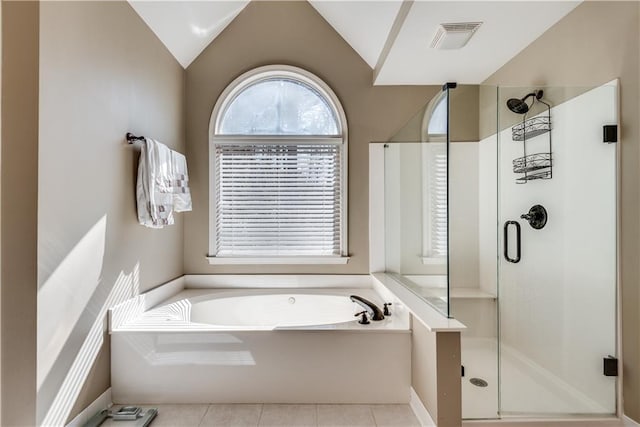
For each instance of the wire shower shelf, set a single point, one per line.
(545, 174)
(531, 128)
(539, 165)
(532, 162)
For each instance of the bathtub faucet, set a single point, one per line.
(374, 311)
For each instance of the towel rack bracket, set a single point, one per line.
(132, 139)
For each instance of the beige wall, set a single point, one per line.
(291, 33)
(435, 373)
(464, 115)
(424, 366)
(102, 73)
(597, 42)
(19, 211)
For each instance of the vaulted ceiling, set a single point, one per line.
(392, 36)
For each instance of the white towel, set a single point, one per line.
(181, 192)
(154, 191)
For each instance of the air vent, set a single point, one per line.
(454, 35)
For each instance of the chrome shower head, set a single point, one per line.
(519, 106)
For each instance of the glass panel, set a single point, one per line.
(473, 244)
(279, 106)
(558, 299)
(416, 213)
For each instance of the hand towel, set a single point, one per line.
(154, 190)
(181, 192)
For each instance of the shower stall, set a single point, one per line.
(501, 210)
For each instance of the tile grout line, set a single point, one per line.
(373, 415)
(260, 416)
(204, 415)
(371, 407)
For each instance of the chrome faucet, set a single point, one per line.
(374, 311)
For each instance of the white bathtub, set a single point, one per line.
(272, 311)
(258, 310)
(259, 345)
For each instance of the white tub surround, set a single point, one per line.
(243, 345)
(293, 366)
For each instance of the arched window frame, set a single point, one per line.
(428, 116)
(433, 145)
(230, 93)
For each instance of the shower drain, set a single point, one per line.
(478, 382)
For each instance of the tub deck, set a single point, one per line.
(160, 356)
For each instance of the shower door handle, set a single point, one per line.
(506, 242)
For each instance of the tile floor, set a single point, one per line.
(277, 415)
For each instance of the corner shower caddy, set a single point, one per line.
(538, 165)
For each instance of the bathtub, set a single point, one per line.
(257, 346)
(274, 310)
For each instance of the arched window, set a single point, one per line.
(278, 158)
(434, 181)
(437, 123)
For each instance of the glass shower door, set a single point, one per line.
(557, 268)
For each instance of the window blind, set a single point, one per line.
(436, 196)
(278, 199)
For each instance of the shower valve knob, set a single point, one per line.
(537, 217)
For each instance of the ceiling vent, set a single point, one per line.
(454, 36)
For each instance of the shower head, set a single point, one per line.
(519, 106)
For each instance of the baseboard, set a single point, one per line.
(419, 410)
(628, 422)
(102, 402)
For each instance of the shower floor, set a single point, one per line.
(527, 389)
(480, 360)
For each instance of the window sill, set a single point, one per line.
(434, 260)
(309, 260)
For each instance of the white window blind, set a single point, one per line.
(435, 200)
(278, 199)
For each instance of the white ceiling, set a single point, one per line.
(365, 25)
(187, 27)
(508, 27)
